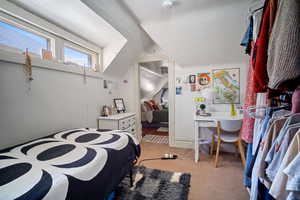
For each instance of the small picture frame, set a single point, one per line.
(120, 106)
(192, 79)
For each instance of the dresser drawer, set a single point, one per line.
(133, 130)
(124, 124)
(132, 121)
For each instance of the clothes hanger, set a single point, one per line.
(256, 5)
(249, 110)
(254, 115)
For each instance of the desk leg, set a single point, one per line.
(196, 139)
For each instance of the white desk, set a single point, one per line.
(208, 121)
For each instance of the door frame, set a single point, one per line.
(171, 90)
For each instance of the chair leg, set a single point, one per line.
(212, 145)
(217, 153)
(242, 152)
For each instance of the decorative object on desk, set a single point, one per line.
(197, 101)
(113, 109)
(120, 106)
(202, 109)
(208, 95)
(233, 111)
(192, 79)
(226, 82)
(105, 111)
(178, 90)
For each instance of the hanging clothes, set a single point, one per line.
(254, 176)
(278, 188)
(257, 16)
(296, 100)
(265, 146)
(248, 167)
(284, 46)
(261, 46)
(292, 171)
(254, 20)
(266, 129)
(261, 100)
(248, 37)
(250, 100)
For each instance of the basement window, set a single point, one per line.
(15, 37)
(79, 56)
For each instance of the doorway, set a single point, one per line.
(154, 101)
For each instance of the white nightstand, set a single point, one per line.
(123, 121)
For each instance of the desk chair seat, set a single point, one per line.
(228, 131)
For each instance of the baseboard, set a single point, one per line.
(183, 144)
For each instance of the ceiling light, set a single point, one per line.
(168, 3)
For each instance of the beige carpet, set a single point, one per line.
(208, 182)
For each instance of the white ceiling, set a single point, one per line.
(74, 16)
(195, 32)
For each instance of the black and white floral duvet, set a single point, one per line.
(72, 164)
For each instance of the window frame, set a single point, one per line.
(57, 38)
(30, 29)
(92, 55)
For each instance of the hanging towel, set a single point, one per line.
(284, 46)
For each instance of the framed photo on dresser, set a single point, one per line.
(120, 106)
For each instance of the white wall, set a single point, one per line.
(118, 15)
(56, 100)
(185, 106)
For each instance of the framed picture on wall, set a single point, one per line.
(226, 83)
(192, 79)
(120, 106)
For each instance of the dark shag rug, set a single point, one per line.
(156, 184)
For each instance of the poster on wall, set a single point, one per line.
(192, 79)
(203, 80)
(226, 83)
(178, 80)
(178, 90)
(193, 87)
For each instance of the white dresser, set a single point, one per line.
(123, 121)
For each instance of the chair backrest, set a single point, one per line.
(230, 125)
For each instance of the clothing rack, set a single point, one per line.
(254, 11)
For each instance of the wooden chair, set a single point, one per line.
(228, 131)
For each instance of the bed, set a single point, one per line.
(72, 164)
